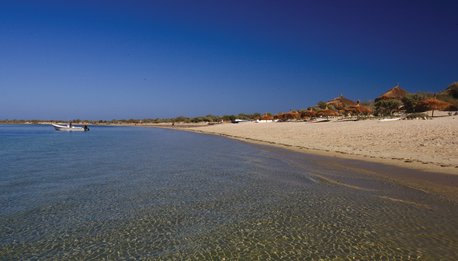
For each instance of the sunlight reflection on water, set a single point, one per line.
(118, 192)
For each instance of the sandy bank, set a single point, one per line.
(430, 145)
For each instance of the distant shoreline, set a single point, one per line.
(427, 145)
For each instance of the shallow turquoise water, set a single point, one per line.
(119, 192)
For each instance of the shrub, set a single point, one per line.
(412, 101)
(387, 106)
(322, 105)
(452, 90)
(417, 115)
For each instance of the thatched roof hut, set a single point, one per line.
(267, 117)
(365, 110)
(308, 113)
(359, 109)
(452, 90)
(341, 102)
(327, 113)
(394, 93)
(291, 115)
(434, 104)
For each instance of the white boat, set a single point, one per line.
(69, 127)
(390, 119)
(239, 121)
(320, 120)
(265, 121)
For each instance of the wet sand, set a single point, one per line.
(429, 145)
(349, 173)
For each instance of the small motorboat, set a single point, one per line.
(239, 121)
(320, 120)
(69, 127)
(389, 119)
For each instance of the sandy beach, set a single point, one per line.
(430, 145)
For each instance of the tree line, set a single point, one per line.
(340, 106)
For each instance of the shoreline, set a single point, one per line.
(413, 174)
(398, 162)
(405, 161)
(222, 131)
(428, 178)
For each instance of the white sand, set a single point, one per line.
(425, 144)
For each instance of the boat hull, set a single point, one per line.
(58, 127)
(392, 119)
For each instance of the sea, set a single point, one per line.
(161, 194)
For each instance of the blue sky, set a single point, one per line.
(147, 59)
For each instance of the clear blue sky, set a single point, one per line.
(146, 59)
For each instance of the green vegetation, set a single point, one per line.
(417, 115)
(452, 90)
(322, 105)
(387, 107)
(394, 100)
(412, 102)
